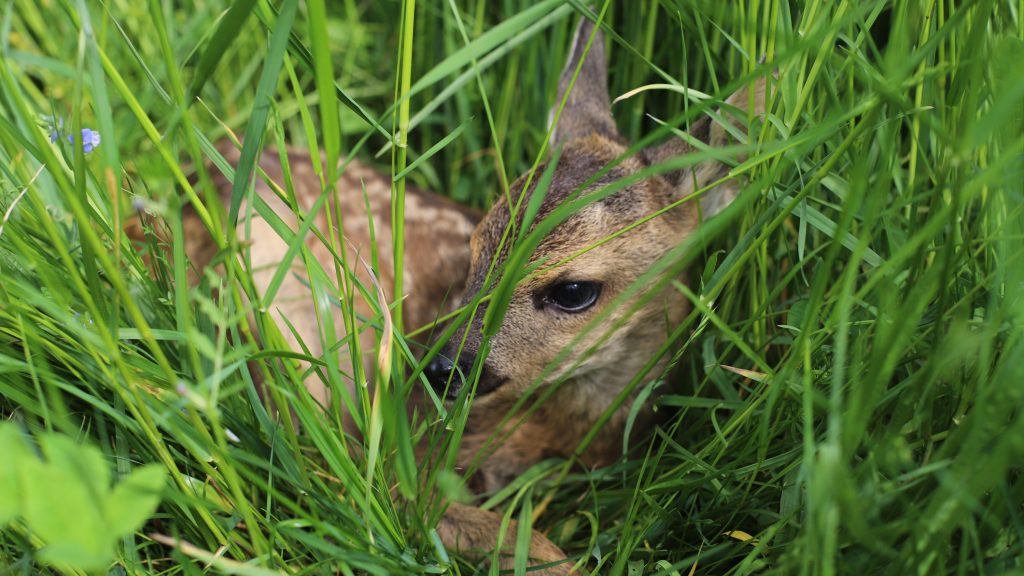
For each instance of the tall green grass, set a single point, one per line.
(847, 393)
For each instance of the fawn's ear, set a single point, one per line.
(588, 109)
(747, 103)
(750, 102)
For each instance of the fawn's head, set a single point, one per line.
(586, 262)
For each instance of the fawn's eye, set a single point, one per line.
(573, 297)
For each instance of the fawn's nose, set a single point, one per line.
(439, 374)
(447, 378)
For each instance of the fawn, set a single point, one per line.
(549, 311)
(449, 250)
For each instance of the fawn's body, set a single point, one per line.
(437, 234)
(548, 312)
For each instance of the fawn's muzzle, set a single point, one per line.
(447, 378)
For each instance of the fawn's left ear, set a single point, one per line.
(748, 102)
(588, 109)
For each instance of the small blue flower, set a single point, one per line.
(55, 128)
(90, 138)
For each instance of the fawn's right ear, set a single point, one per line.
(588, 109)
(747, 103)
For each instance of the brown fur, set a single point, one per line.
(437, 254)
(474, 531)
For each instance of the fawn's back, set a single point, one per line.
(436, 260)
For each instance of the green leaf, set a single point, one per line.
(524, 529)
(16, 453)
(302, 54)
(62, 506)
(77, 554)
(223, 37)
(261, 109)
(134, 499)
(483, 44)
(323, 73)
(433, 150)
(76, 461)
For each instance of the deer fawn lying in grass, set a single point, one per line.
(550, 310)
(547, 313)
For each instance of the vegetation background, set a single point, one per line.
(867, 295)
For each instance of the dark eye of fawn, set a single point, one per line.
(573, 296)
